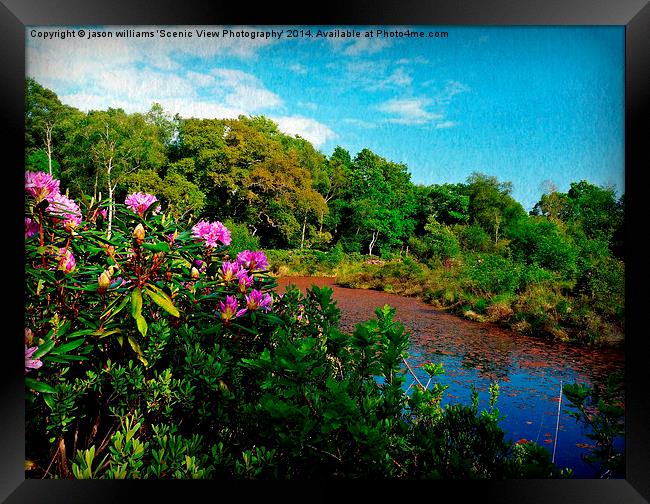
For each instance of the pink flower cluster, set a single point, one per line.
(254, 261)
(228, 310)
(29, 362)
(31, 227)
(256, 300)
(67, 262)
(64, 209)
(40, 185)
(139, 202)
(211, 233)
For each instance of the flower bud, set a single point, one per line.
(29, 336)
(194, 273)
(104, 280)
(138, 233)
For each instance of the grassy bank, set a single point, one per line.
(482, 287)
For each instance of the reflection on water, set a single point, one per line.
(529, 370)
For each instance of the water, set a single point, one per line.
(529, 370)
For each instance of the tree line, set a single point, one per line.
(290, 195)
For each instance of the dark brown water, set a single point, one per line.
(529, 370)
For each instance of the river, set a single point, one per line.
(529, 370)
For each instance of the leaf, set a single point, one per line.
(49, 400)
(43, 349)
(137, 350)
(119, 308)
(163, 300)
(68, 346)
(136, 303)
(142, 324)
(39, 386)
(156, 247)
(104, 333)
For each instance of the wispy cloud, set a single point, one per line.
(243, 90)
(409, 111)
(451, 89)
(410, 61)
(446, 124)
(358, 46)
(297, 68)
(308, 105)
(359, 123)
(399, 78)
(309, 129)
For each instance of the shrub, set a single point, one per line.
(148, 355)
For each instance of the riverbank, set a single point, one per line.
(528, 370)
(483, 288)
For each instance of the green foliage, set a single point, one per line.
(601, 410)
(242, 239)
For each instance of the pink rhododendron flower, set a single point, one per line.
(244, 280)
(139, 202)
(41, 185)
(29, 362)
(256, 300)
(229, 310)
(64, 209)
(254, 261)
(103, 213)
(211, 233)
(67, 262)
(229, 270)
(31, 227)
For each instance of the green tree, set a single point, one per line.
(381, 201)
(491, 205)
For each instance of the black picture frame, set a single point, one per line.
(633, 14)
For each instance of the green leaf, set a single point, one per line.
(136, 348)
(49, 400)
(142, 324)
(156, 247)
(39, 386)
(136, 303)
(104, 333)
(68, 346)
(43, 349)
(162, 300)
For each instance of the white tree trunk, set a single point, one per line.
(48, 144)
(109, 169)
(302, 240)
(375, 235)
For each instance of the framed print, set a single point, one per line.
(370, 243)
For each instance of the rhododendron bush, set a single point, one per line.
(156, 353)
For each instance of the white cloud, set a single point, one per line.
(200, 79)
(359, 45)
(399, 78)
(309, 129)
(446, 124)
(451, 89)
(243, 90)
(409, 111)
(359, 123)
(308, 105)
(298, 68)
(409, 61)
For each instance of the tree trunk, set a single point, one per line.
(375, 235)
(304, 224)
(48, 144)
(110, 197)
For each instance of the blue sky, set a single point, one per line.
(526, 104)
